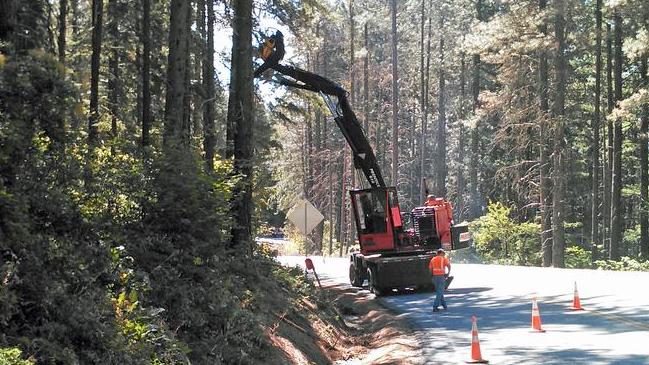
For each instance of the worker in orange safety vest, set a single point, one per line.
(430, 201)
(437, 267)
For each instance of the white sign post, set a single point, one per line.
(305, 216)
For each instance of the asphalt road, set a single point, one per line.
(613, 328)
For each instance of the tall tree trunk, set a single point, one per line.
(146, 72)
(459, 205)
(352, 69)
(75, 16)
(343, 199)
(332, 227)
(241, 115)
(330, 195)
(308, 154)
(50, 45)
(366, 82)
(208, 86)
(113, 66)
(616, 182)
(230, 126)
(187, 95)
(176, 87)
(319, 164)
(132, 127)
(440, 138)
(335, 202)
(97, 21)
(353, 96)
(304, 153)
(412, 151)
(424, 133)
(644, 166)
(329, 161)
(422, 105)
(608, 166)
(559, 173)
(545, 196)
(198, 90)
(476, 200)
(596, 128)
(63, 12)
(395, 97)
(380, 133)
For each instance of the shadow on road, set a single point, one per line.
(448, 331)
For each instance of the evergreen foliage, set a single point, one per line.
(118, 253)
(55, 262)
(499, 238)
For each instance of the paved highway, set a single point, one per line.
(613, 328)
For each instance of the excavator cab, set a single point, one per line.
(378, 218)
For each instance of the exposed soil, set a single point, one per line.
(345, 326)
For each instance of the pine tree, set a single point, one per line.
(93, 119)
(616, 179)
(439, 161)
(63, 12)
(174, 129)
(240, 119)
(395, 97)
(146, 73)
(596, 128)
(558, 114)
(208, 87)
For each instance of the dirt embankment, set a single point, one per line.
(343, 326)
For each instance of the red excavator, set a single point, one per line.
(395, 247)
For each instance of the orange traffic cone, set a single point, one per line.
(536, 317)
(476, 356)
(576, 303)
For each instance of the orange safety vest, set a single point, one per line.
(437, 265)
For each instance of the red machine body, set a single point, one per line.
(380, 223)
(396, 247)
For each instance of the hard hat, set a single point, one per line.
(430, 197)
(440, 250)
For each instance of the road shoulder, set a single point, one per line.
(344, 325)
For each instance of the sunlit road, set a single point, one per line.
(613, 328)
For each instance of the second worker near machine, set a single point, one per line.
(437, 267)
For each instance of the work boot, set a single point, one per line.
(436, 310)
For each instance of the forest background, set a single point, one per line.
(133, 178)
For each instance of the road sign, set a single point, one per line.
(305, 216)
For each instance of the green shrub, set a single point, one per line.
(55, 265)
(631, 241)
(577, 258)
(498, 238)
(12, 356)
(625, 264)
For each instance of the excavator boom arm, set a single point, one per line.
(364, 158)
